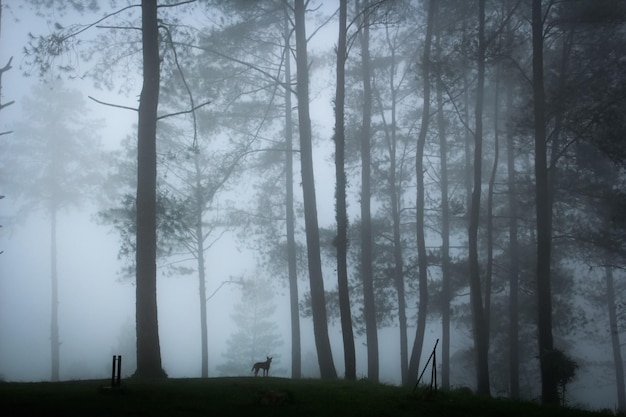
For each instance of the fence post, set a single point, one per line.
(116, 376)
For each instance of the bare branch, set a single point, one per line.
(184, 111)
(2, 106)
(98, 21)
(7, 66)
(118, 27)
(176, 4)
(113, 105)
(253, 67)
(220, 286)
(182, 76)
(158, 118)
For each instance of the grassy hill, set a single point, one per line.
(253, 397)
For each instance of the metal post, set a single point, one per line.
(115, 379)
(119, 369)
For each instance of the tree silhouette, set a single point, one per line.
(320, 325)
(51, 165)
(256, 334)
(42, 52)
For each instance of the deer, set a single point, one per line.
(262, 365)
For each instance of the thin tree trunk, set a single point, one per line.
(490, 192)
(398, 256)
(369, 305)
(445, 225)
(615, 340)
(341, 241)
(296, 361)
(399, 278)
(418, 343)
(481, 341)
(513, 258)
(148, 347)
(395, 187)
(55, 343)
(549, 392)
(201, 270)
(318, 298)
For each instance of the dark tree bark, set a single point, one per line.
(615, 340)
(296, 361)
(419, 173)
(318, 301)
(549, 392)
(341, 241)
(481, 335)
(148, 348)
(369, 305)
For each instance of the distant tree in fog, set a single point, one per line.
(264, 60)
(52, 164)
(256, 333)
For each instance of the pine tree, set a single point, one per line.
(257, 334)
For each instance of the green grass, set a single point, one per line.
(253, 397)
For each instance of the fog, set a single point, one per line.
(96, 301)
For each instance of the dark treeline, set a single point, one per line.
(479, 173)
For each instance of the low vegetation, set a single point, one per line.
(255, 397)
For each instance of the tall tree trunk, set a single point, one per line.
(549, 392)
(399, 267)
(395, 187)
(55, 343)
(481, 341)
(369, 305)
(446, 292)
(513, 257)
(615, 340)
(419, 173)
(204, 369)
(318, 299)
(148, 347)
(296, 361)
(398, 258)
(341, 241)
(490, 192)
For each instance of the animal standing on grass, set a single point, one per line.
(262, 365)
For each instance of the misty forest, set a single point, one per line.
(343, 186)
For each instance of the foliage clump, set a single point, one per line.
(563, 368)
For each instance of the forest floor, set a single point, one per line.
(254, 397)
